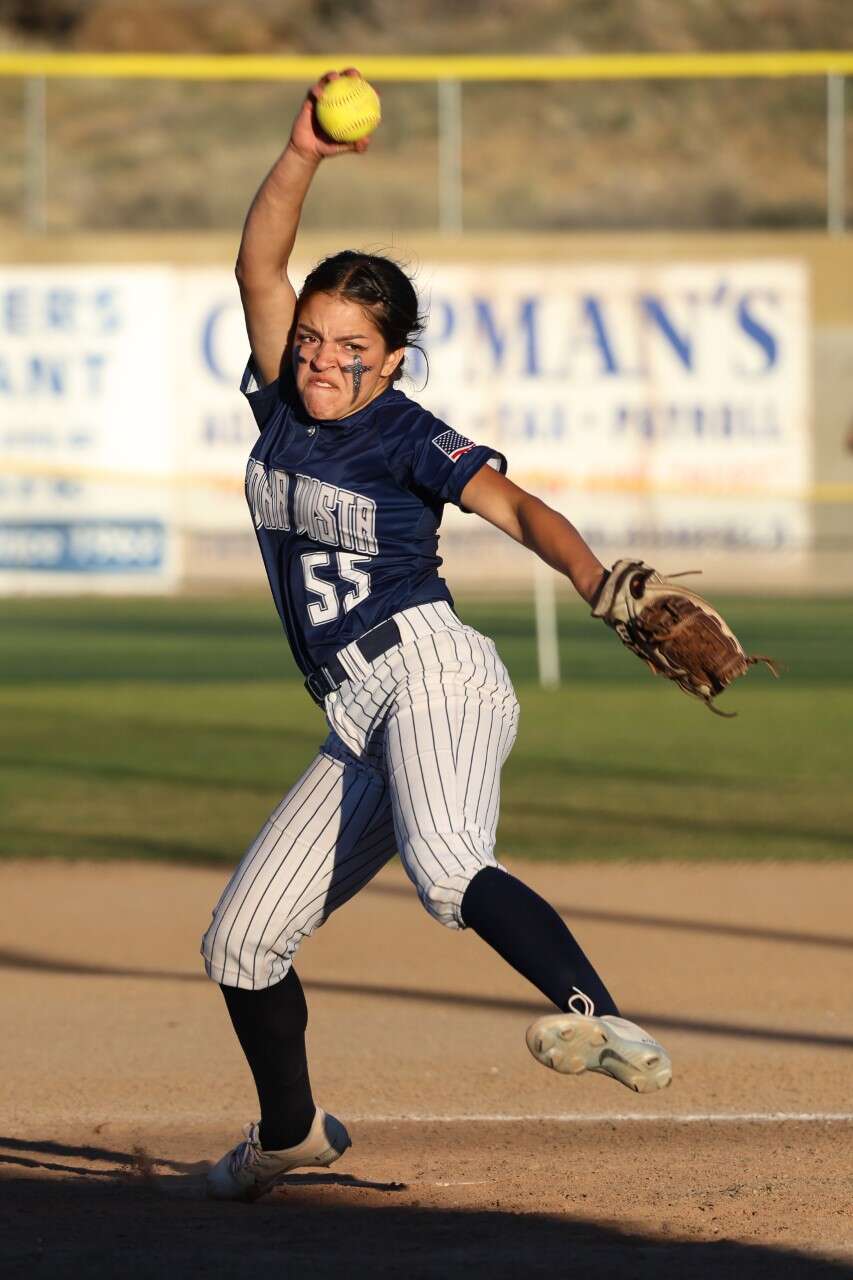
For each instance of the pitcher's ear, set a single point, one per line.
(391, 361)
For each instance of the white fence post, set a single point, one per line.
(547, 633)
(449, 156)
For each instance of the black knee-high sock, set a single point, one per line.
(530, 936)
(270, 1026)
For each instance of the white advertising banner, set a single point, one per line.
(657, 405)
(86, 429)
(216, 429)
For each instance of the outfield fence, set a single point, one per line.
(449, 75)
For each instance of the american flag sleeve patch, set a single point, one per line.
(453, 445)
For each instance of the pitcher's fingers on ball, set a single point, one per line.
(354, 71)
(316, 90)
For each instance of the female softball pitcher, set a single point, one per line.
(346, 486)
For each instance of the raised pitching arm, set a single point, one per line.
(269, 234)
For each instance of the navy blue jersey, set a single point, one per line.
(347, 512)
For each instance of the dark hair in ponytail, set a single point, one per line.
(380, 286)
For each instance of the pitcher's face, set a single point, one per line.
(340, 359)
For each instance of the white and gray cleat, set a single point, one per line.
(575, 1042)
(247, 1172)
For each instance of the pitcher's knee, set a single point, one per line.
(443, 891)
(443, 898)
(441, 865)
(249, 961)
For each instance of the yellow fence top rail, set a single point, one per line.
(616, 66)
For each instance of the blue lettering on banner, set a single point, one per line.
(498, 339)
(595, 331)
(83, 546)
(46, 376)
(681, 344)
(722, 421)
(54, 376)
(587, 336)
(763, 337)
(30, 311)
(208, 332)
(230, 427)
(210, 341)
(36, 439)
(107, 313)
(13, 311)
(30, 489)
(559, 422)
(94, 364)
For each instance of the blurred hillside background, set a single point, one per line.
(162, 155)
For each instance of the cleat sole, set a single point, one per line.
(573, 1043)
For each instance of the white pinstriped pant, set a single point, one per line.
(412, 764)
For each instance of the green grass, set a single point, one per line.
(167, 729)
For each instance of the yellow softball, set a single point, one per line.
(349, 109)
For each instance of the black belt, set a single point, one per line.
(371, 646)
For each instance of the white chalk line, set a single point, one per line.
(622, 1117)
(480, 1182)
(205, 1120)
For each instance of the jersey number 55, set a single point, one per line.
(328, 604)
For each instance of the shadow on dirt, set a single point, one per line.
(140, 1162)
(23, 960)
(140, 1224)
(638, 920)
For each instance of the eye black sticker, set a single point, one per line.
(357, 369)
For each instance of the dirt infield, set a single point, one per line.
(121, 1081)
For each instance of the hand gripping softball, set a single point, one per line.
(674, 630)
